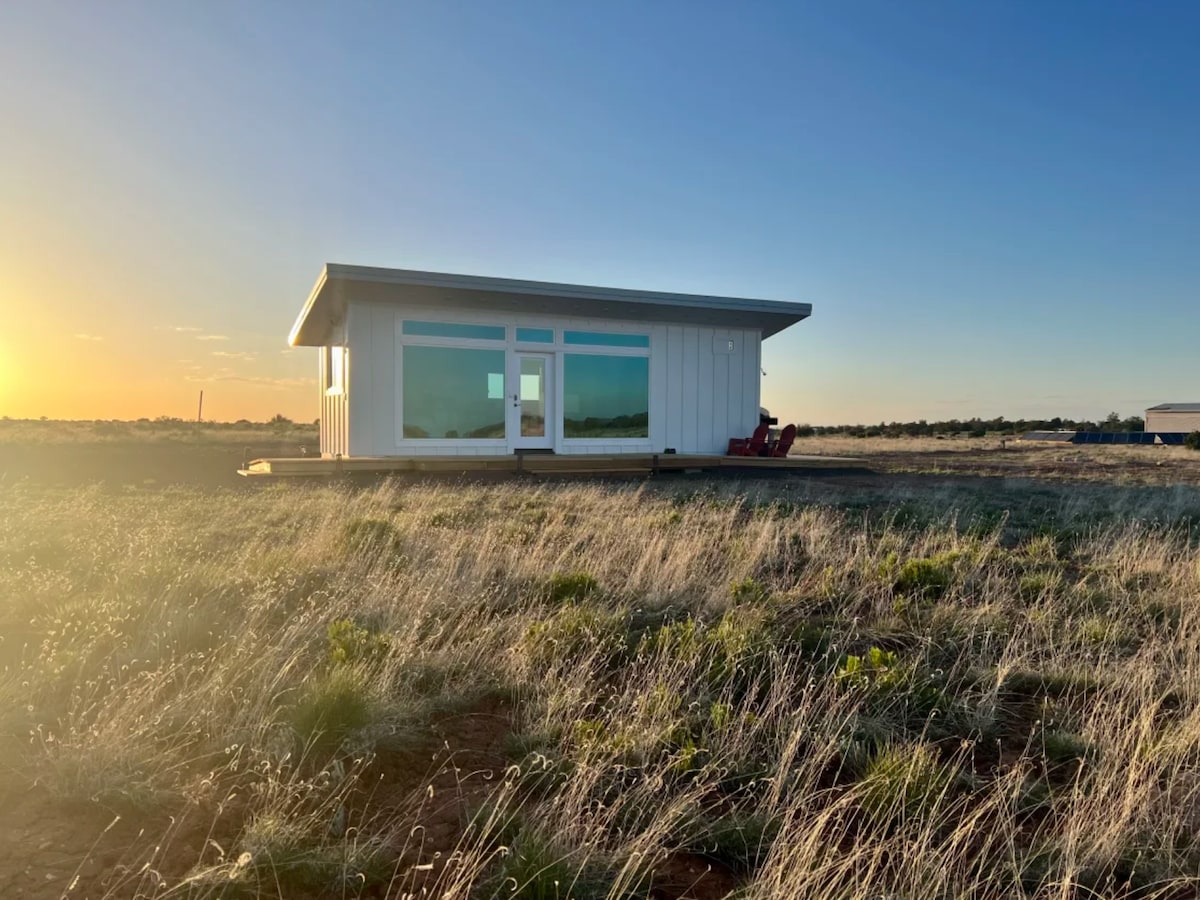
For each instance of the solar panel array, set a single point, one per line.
(1127, 437)
(1061, 437)
(1107, 437)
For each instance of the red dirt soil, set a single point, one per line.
(51, 848)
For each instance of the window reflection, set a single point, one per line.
(450, 392)
(533, 396)
(606, 396)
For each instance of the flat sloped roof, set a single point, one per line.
(1175, 407)
(339, 283)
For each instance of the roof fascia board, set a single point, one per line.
(551, 289)
(330, 288)
(294, 335)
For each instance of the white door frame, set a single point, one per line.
(547, 440)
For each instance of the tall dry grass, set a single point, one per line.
(822, 693)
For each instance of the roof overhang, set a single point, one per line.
(1175, 407)
(340, 284)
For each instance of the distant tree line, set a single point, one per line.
(278, 421)
(975, 427)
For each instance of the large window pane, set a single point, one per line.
(606, 339)
(454, 330)
(450, 392)
(606, 396)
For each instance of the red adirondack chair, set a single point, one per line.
(784, 444)
(755, 445)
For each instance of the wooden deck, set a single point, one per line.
(533, 464)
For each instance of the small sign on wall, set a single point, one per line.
(723, 344)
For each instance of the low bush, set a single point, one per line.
(534, 867)
(926, 579)
(904, 782)
(331, 707)
(576, 631)
(352, 643)
(563, 586)
(749, 590)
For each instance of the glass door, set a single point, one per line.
(531, 400)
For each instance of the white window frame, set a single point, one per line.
(556, 349)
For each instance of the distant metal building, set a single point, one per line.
(1173, 417)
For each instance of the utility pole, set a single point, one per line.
(200, 411)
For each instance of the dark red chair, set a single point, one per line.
(741, 446)
(755, 445)
(784, 444)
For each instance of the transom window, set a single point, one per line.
(535, 335)
(606, 339)
(417, 328)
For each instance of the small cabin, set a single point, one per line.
(426, 363)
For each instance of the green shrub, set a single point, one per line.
(903, 782)
(1035, 585)
(1192, 441)
(1102, 631)
(749, 590)
(901, 697)
(1024, 684)
(1064, 752)
(331, 707)
(576, 631)
(925, 578)
(735, 649)
(352, 643)
(563, 586)
(534, 868)
(878, 668)
(283, 854)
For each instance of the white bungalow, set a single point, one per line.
(424, 363)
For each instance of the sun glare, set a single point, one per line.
(7, 376)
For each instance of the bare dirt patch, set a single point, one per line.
(424, 794)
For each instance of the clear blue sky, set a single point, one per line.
(994, 207)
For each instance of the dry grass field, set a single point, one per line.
(923, 682)
(1006, 457)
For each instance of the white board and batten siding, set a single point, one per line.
(710, 389)
(704, 385)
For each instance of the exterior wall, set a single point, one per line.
(701, 392)
(1172, 421)
(709, 393)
